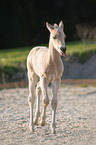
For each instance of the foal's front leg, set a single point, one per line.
(31, 100)
(38, 94)
(43, 84)
(55, 88)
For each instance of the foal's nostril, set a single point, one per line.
(63, 49)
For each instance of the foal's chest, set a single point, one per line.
(54, 71)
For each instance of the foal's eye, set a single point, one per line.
(54, 37)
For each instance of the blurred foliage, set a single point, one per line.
(22, 22)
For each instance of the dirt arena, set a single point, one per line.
(75, 119)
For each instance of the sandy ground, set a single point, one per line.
(75, 120)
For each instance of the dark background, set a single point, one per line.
(22, 22)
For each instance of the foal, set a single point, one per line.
(47, 65)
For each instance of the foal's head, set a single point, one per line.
(57, 37)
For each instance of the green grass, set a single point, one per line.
(10, 59)
(83, 50)
(84, 85)
(15, 55)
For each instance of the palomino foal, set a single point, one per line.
(47, 65)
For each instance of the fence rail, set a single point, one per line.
(64, 81)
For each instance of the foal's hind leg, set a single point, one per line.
(32, 82)
(38, 94)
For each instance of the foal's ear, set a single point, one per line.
(61, 25)
(49, 27)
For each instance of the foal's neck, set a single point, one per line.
(53, 55)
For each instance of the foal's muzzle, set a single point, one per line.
(63, 51)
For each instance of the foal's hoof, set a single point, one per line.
(42, 123)
(31, 128)
(53, 131)
(35, 121)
